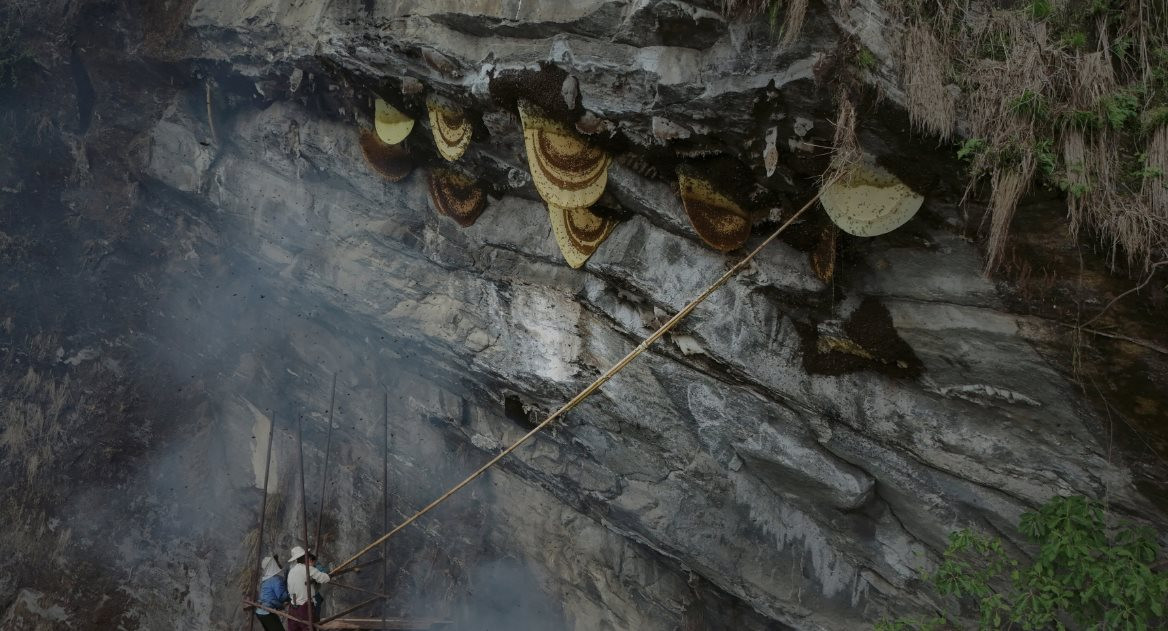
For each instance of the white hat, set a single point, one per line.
(297, 552)
(270, 567)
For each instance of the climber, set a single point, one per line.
(318, 594)
(273, 594)
(298, 575)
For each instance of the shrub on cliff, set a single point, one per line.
(1084, 572)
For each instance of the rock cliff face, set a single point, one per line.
(191, 261)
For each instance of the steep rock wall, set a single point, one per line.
(247, 253)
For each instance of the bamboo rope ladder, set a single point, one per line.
(325, 471)
(593, 387)
(304, 520)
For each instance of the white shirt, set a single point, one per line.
(298, 586)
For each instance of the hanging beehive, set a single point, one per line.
(833, 344)
(718, 220)
(566, 170)
(451, 127)
(579, 231)
(868, 201)
(456, 196)
(392, 161)
(392, 124)
(823, 256)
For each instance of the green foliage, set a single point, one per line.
(865, 60)
(775, 14)
(911, 624)
(1085, 120)
(1100, 7)
(1044, 154)
(1157, 86)
(1032, 104)
(1122, 47)
(1086, 572)
(1122, 107)
(1153, 118)
(971, 148)
(1116, 110)
(1074, 190)
(1040, 9)
(1074, 39)
(1144, 171)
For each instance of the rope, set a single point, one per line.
(644, 345)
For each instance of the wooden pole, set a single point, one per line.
(279, 613)
(348, 611)
(304, 516)
(263, 513)
(353, 568)
(358, 589)
(324, 474)
(328, 448)
(385, 508)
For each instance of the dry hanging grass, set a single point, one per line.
(735, 8)
(1074, 152)
(1008, 187)
(1050, 91)
(246, 578)
(1125, 218)
(997, 118)
(1094, 79)
(932, 106)
(1156, 188)
(845, 151)
(794, 13)
(793, 17)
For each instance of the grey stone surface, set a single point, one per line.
(715, 483)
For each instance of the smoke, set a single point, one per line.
(504, 595)
(216, 309)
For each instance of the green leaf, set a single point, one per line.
(969, 150)
(1041, 9)
(1078, 573)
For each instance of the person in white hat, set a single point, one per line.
(273, 594)
(298, 576)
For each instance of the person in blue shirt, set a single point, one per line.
(273, 594)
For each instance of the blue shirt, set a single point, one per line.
(273, 594)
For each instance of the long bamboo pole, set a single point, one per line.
(385, 508)
(328, 447)
(263, 514)
(304, 516)
(279, 613)
(600, 381)
(348, 611)
(354, 567)
(362, 590)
